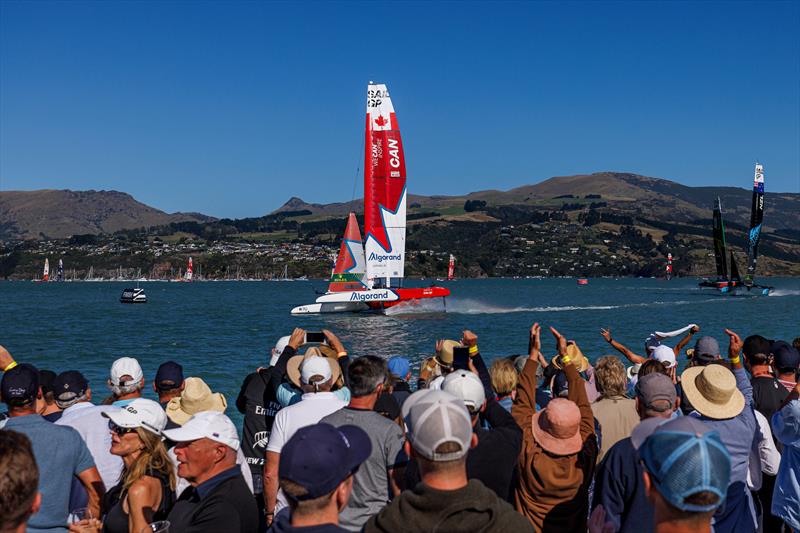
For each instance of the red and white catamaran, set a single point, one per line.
(371, 276)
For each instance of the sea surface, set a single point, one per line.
(221, 331)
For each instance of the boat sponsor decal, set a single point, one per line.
(380, 258)
(373, 296)
(754, 234)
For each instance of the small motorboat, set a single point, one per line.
(133, 296)
(583, 281)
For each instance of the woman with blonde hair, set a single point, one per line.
(146, 489)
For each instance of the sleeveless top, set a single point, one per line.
(116, 519)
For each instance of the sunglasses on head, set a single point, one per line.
(119, 430)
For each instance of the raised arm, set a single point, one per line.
(734, 351)
(341, 353)
(525, 401)
(279, 370)
(470, 340)
(621, 348)
(577, 393)
(684, 341)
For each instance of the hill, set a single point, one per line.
(57, 214)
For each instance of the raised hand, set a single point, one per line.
(5, 358)
(695, 328)
(561, 341)
(535, 340)
(606, 333)
(439, 345)
(469, 339)
(333, 341)
(734, 344)
(298, 338)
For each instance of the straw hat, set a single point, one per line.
(294, 363)
(576, 356)
(712, 391)
(445, 355)
(557, 427)
(196, 397)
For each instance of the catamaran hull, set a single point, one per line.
(368, 300)
(730, 287)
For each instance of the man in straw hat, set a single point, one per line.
(723, 400)
(314, 374)
(439, 437)
(439, 365)
(559, 447)
(196, 397)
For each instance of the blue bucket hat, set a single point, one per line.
(684, 457)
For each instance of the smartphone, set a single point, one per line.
(314, 336)
(461, 358)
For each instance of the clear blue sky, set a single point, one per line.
(230, 108)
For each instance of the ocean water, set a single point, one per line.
(221, 331)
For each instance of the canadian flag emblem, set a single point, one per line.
(380, 121)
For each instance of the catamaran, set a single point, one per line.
(60, 271)
(46, 271)
(451, 268)
(668, 270)
(370, 277)
(726, 280)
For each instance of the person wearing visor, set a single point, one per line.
(146, 489)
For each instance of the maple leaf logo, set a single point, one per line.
(380, 121)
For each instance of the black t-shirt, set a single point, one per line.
(259, 407)
(768, 395)
(116, 519)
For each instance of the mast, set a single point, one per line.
(756, 220)
(384, 192)
(734, 270)
(720, 247)
(348, 273)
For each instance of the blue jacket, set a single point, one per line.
(786, 496)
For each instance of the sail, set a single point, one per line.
(189, 271)
(734, 270)
(756, 220)
(720, 248)
(451, 268)
(384, 191)
(669, 266)
(60, 271)
(46, 273)
(348, 274)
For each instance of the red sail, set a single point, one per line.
(349, 269)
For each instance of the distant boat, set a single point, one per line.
(285, 276)
(46, 272)
(133, 296)
(60, 271)
(451, 268)
(728, 280)
(668, 270)
(583, 281)
(189, 271)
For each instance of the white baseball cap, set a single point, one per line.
(206, 425)
(434, 417)
(664, 354)
(126, 366)
(467, 386)
(282, 343)
(315, 366)
(140, 413)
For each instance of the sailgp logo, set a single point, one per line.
(380, 258)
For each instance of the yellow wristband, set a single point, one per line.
(11, 365)
(735, 360)
(565, 359)
(473, 349)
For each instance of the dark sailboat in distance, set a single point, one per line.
(729, 280)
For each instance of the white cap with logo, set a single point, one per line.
(282, 343)
(664, 354)
(126, 366)
(315, 366)
(467, 386)
(140, 412)
(211, 425)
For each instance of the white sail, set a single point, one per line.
(46, 268)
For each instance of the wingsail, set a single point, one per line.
(384, 192)
(720, 246)
(756, 221)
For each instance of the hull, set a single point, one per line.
(374, 299)
(335, 307)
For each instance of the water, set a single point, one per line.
(222, 331)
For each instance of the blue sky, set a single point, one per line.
(230, 108)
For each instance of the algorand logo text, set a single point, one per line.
(384, 257)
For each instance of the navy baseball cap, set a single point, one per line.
(683, 457)
(785, 356)
(46, 379)
(320, 456)
(21, 383)
(399, 366)
(69, 385)
(169, 376)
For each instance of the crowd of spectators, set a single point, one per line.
(332, 442)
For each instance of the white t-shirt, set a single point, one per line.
(311, 409)
(88, 420)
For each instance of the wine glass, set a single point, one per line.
(81, 513)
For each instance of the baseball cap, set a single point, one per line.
(20, 383)
(756, 344)
(206, 425)
(654, 387)
(282, 343)
(664, 354)
(142, 413)
(399, 366)
(683, 457)
(387, 405)
(125, 366)
(169, 376)
(706, 348)
(46, 379)
(785, 356)
(467, 386)
(69, 385)
(434, 417)
(320, 456)
(315, 366)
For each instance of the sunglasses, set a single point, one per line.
(119, 430)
